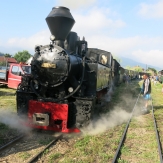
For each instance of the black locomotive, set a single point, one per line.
(67, 79)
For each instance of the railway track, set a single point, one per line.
(11, 142)
(39, 155)
(157, 134)
(122, 140)
(22, 142)
(124, 133)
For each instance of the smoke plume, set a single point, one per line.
(110, 120)
(12, 120)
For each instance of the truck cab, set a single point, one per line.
(12, 75)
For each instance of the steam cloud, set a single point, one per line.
(110, 120)
(13, 121)
(115, 117)
(107, 97)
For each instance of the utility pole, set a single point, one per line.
(146, 67)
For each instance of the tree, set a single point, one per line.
(152, 69)
(22, 56)
(3, 63)
(128, 67)
(8, 55)
(1, 54)
(117, 58)
(137, 68)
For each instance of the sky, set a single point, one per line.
(132, 29)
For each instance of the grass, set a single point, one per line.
(44, 141)
(122, 161)
(24, 155)
(6, 132)
(7, 102)
(46, 152)
(8, 99)
(3, 128)
(141, 144)
(83, 142)
(100, 148)
(53, 157)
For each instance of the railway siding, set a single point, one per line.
(140, 144)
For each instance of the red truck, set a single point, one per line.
(11, 74)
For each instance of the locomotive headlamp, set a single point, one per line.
(70, 89)
(52, 37)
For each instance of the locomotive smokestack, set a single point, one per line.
(60, 22)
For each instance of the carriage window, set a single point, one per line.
(15, 70)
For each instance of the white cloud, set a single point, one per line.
(96, 21)
(151, 10)
(13, 45)
(151, 57)
(146, 50)
(75, 4)
(142, 49)
(96, 25)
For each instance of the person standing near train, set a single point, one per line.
(146, 90)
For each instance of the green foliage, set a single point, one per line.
(117, 58)
(24, 155)
(152, 69)
(8, 55)
(3, 126)
(46, 151)
(128, 67)
(135, 68)
(138, 69)
(161, 79)
(3, 63)
(45, 141)
(54, 157)
(7, 99)
(83, 142)
(22, 56)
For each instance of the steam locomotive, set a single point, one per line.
(67, 79)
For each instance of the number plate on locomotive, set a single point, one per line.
(48, 65)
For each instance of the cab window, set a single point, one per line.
(15, 70)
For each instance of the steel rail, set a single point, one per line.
(124, 133)
(11, 142)
(157, 134)
(37, 156)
